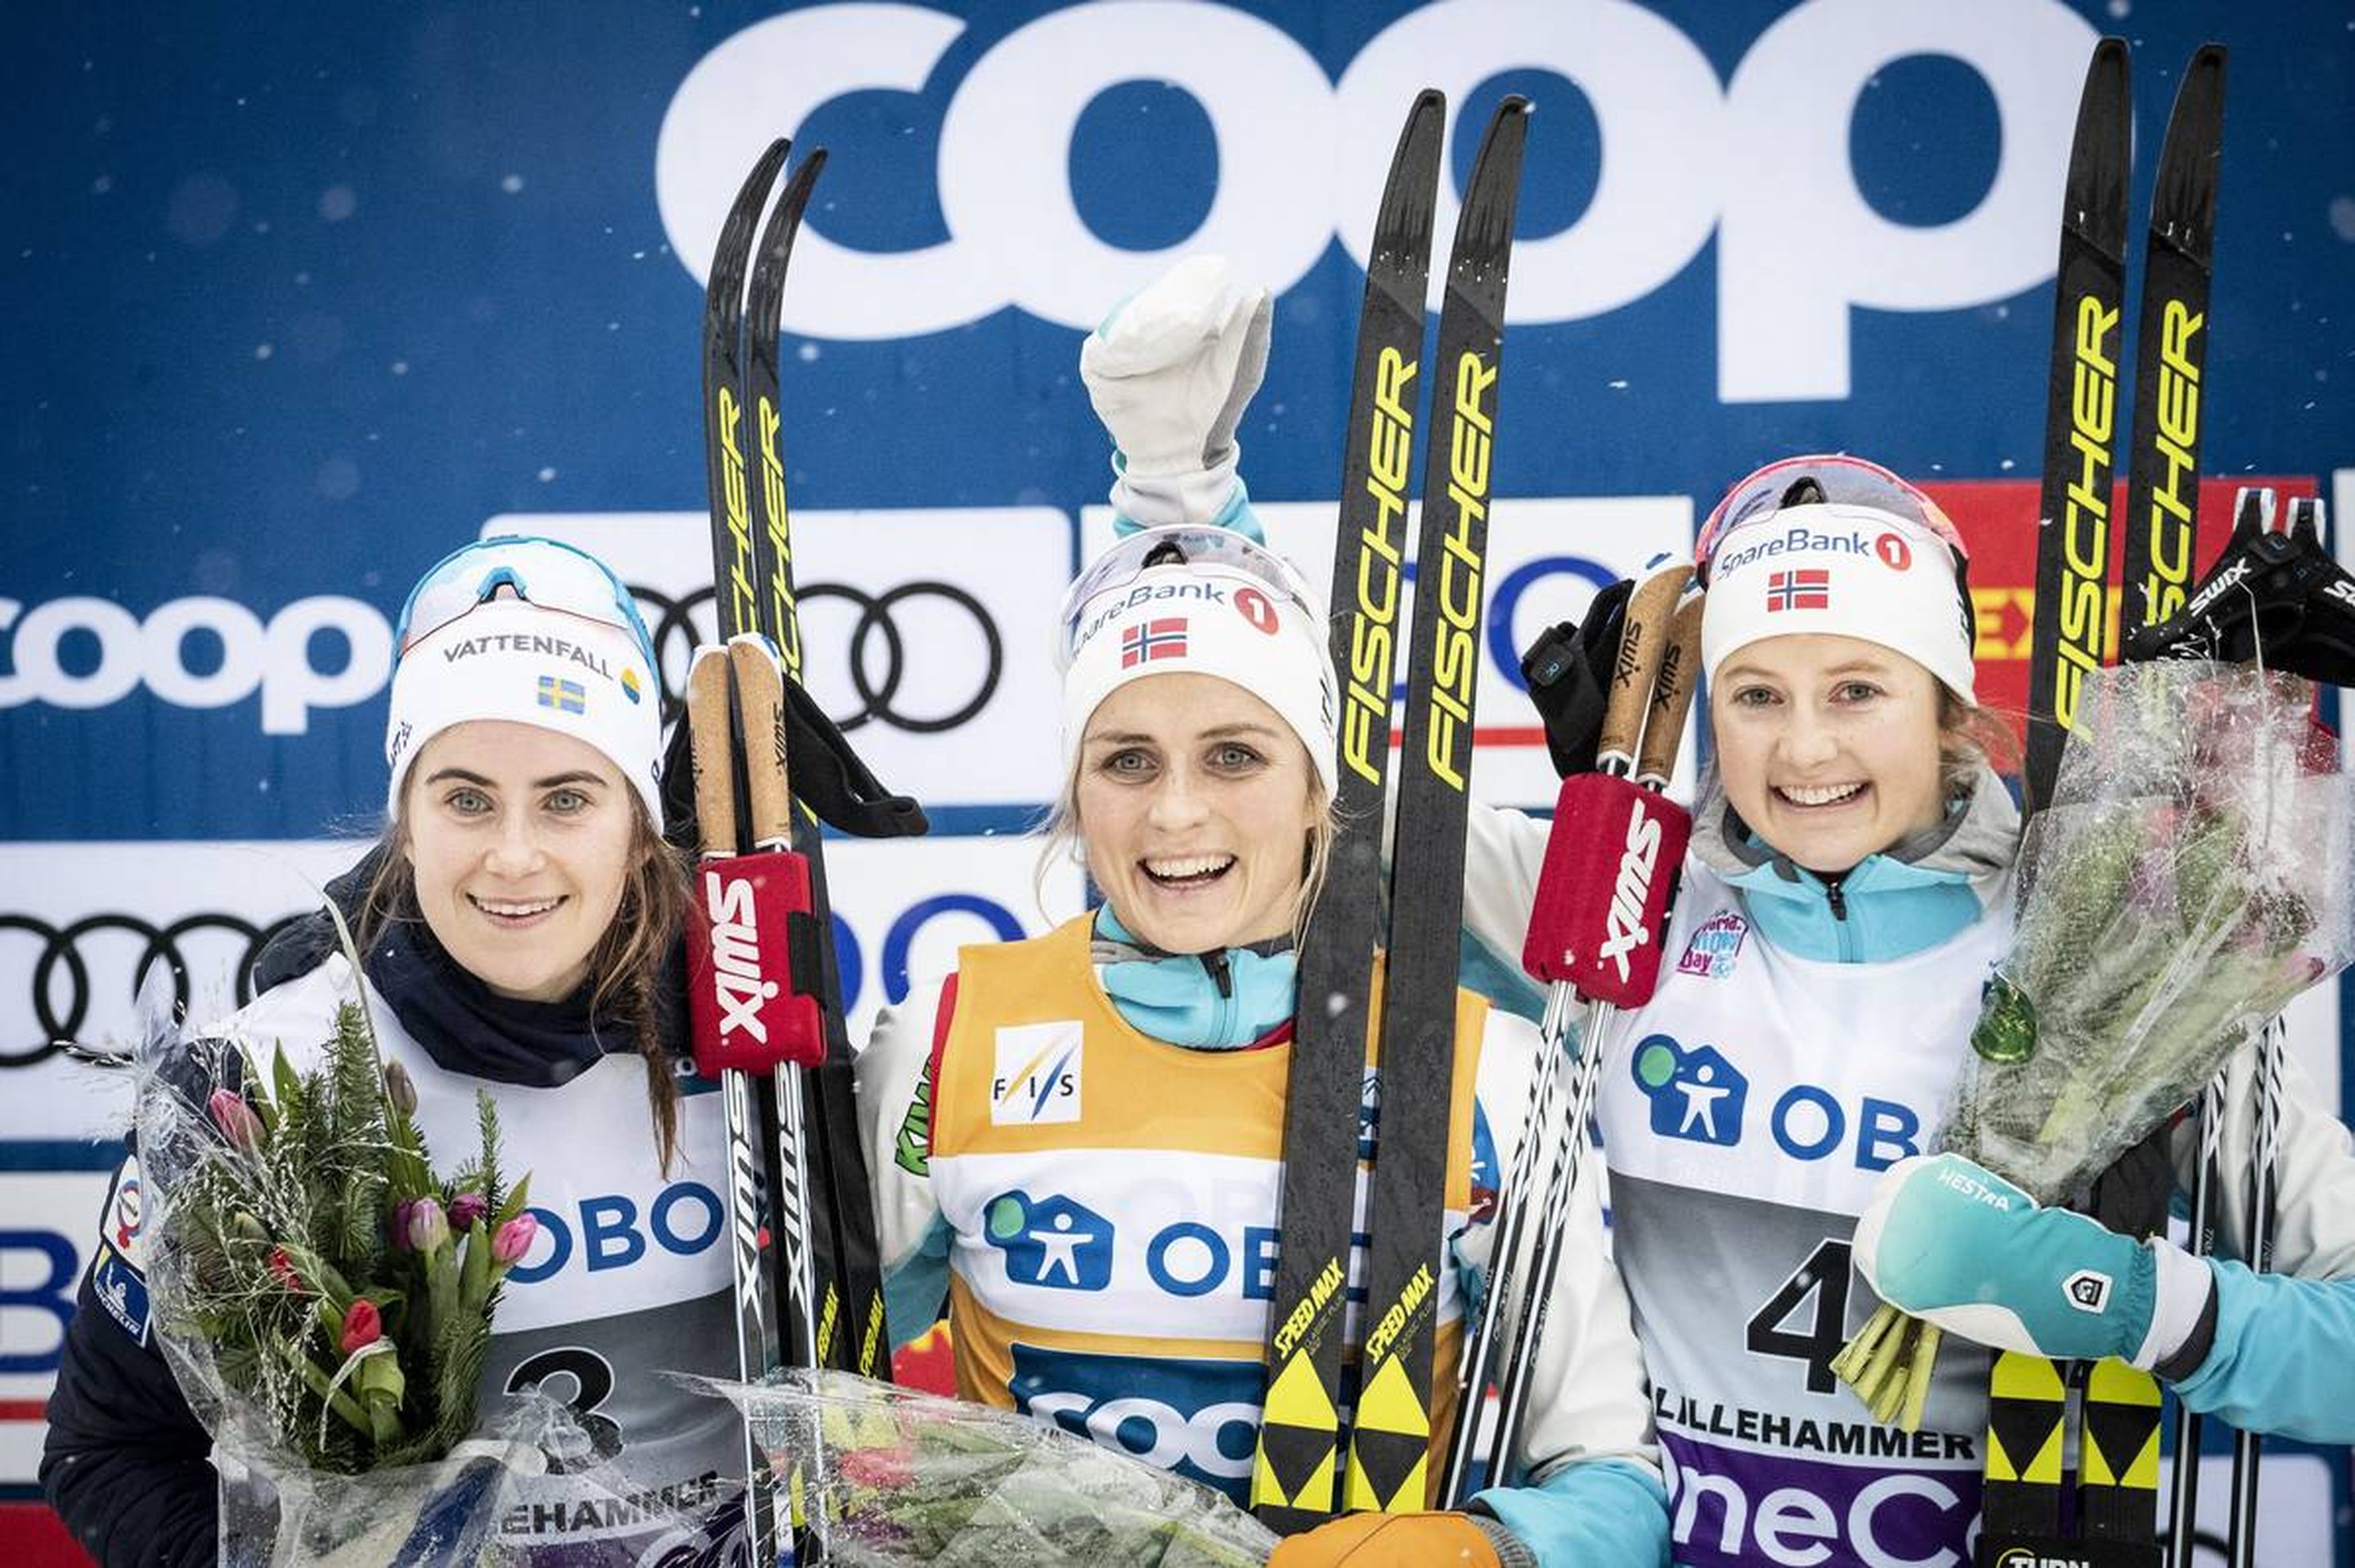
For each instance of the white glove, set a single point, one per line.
(1170, 372)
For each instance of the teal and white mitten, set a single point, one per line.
(1955, 1244)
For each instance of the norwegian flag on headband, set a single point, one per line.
(1152, 640)
(1806, 587)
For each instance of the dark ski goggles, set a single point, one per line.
(1201, 546)
(545, 573)
(1826, 479)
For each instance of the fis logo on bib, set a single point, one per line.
(1038, 1076)
(1712, 948)
(1054, 1242)
(1696, 1095)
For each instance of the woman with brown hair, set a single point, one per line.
(518, 926)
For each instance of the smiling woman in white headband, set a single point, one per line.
(1078, 1139)
(517, 926)
(1766, 1120)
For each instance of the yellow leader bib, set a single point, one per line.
(1114, 1200)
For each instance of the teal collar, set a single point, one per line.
(1217, 1001)
(1880, 910)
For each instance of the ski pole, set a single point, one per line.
(749, 1016)
(2247, 1445)
(2183, 1502)
(1644, 641)
(1663, 732)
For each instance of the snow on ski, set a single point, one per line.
(1295, 1475)
(1391, 1427)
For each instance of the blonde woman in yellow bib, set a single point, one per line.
(1078, 1138)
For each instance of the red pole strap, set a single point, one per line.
(1603, 895)
(751, 977)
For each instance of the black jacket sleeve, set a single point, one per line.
(127, 1464)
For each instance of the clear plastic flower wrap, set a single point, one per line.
(902, 1478)
(2191, 877)
(324, 1299)
(447, 1513)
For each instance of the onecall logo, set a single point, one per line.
(1686, 156)
(50, 648)
(1696, 1095)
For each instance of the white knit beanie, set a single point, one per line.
(511, 659)
(1204, 600)
(1887, 574)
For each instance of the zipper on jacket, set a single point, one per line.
(1844, 937)
(1221, 972)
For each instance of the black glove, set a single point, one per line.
(1568, 669)
(2274, 595)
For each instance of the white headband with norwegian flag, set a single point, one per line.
(1205, 617)
(1843, 570)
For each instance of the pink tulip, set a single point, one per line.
(363, 1326)
(515, 1238)
(234, 1118)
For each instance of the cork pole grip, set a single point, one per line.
(711, 745)
(1672, 694)
(761, 696)
(1642, 637)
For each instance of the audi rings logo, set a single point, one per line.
(67, 980)
(877, 660)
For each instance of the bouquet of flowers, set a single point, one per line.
(325, 1297)
(895, 1478)
(2191, 877)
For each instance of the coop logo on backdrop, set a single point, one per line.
(201, 652)
(1686, 157)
